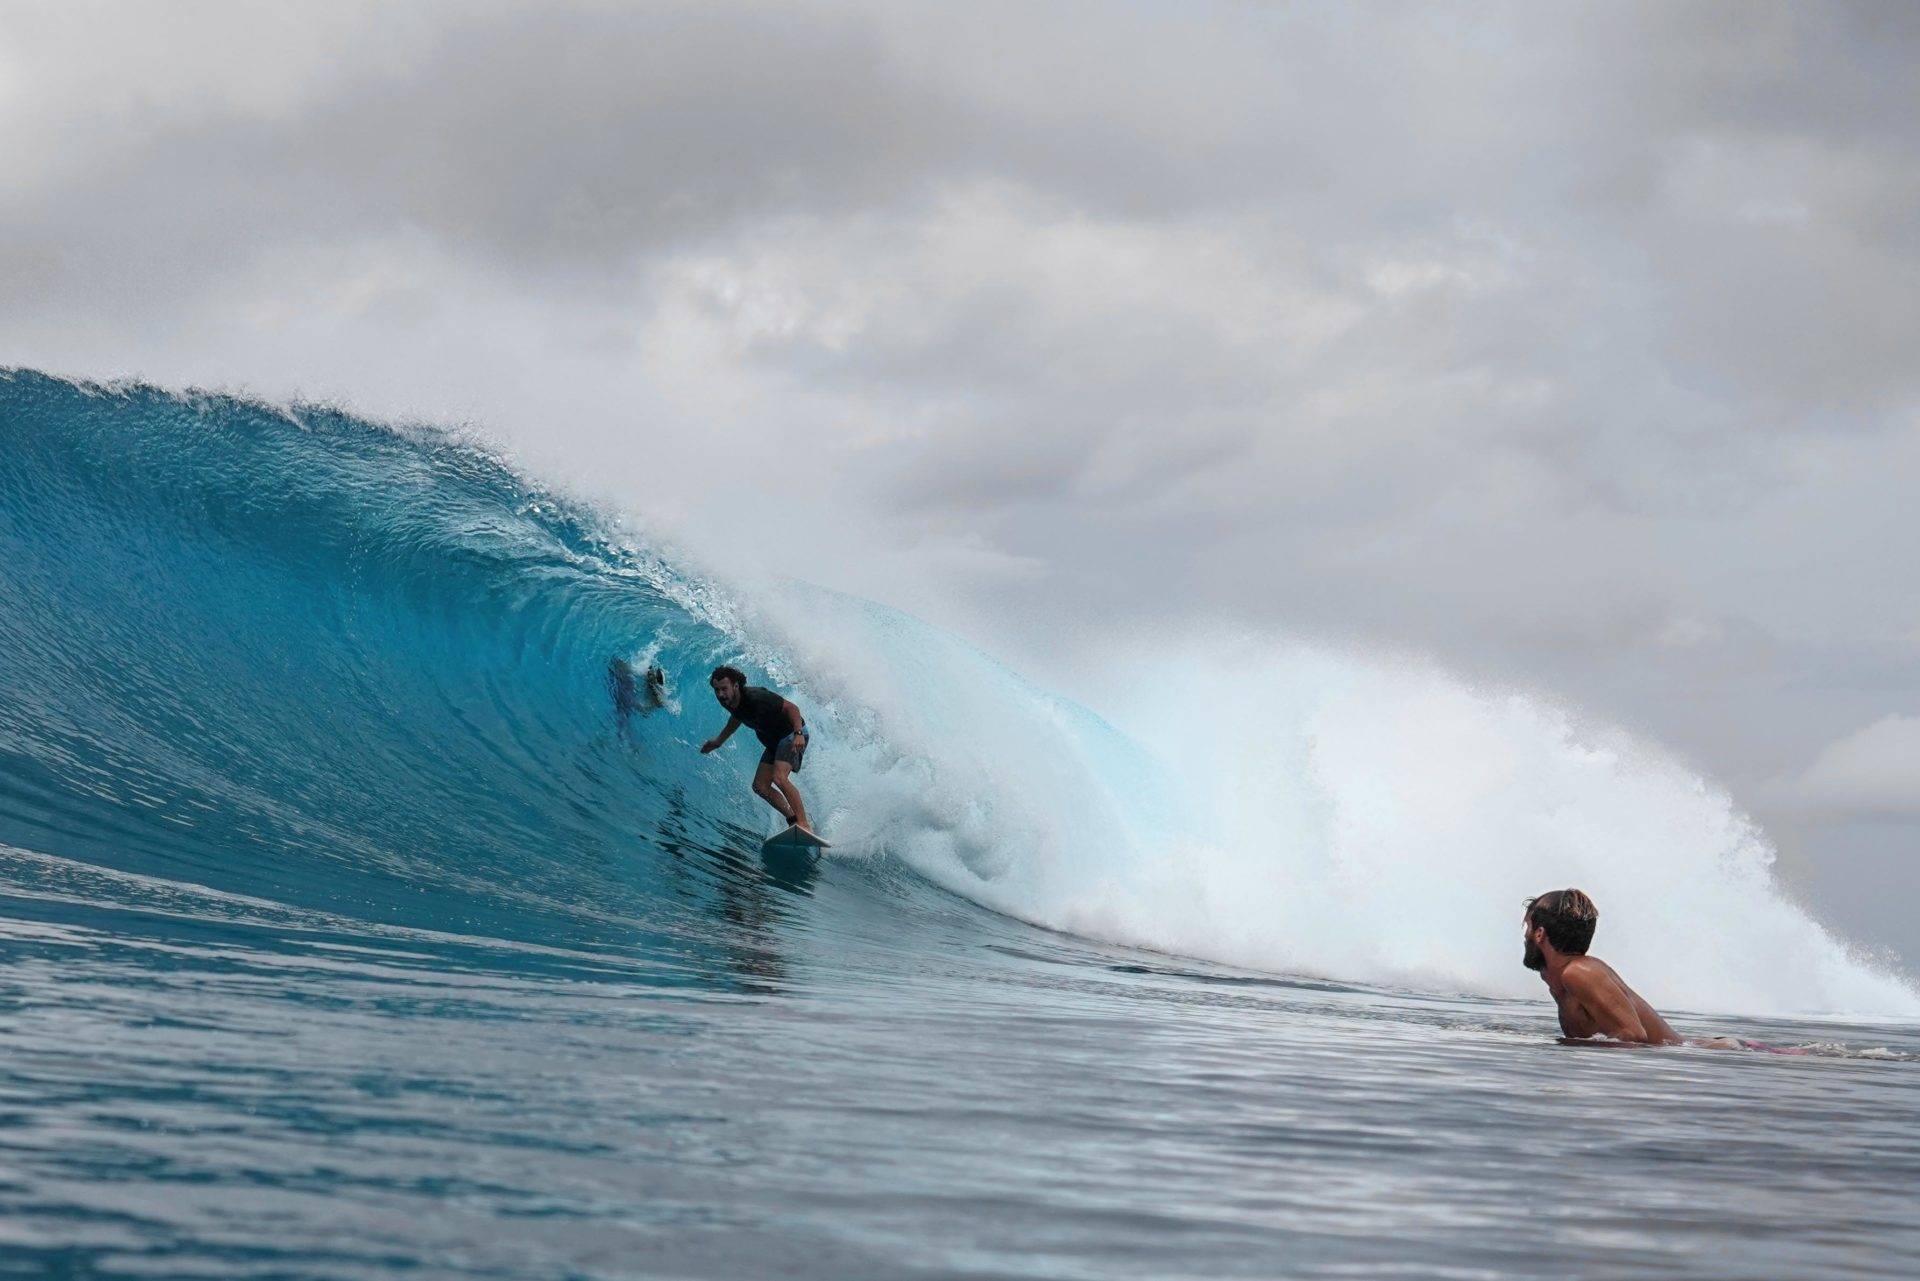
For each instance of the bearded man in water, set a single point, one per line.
(783, 737)
(1593, 1000)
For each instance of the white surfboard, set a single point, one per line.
(793, 839)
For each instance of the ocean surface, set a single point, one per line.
(354, 924)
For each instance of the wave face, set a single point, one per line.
(292, 656)
(298, 657)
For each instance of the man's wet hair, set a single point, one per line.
(1568, 917)
(733, 674)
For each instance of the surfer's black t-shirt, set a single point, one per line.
(764, 712)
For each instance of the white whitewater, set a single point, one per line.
(1301, 811)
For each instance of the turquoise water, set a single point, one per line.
(346, 930)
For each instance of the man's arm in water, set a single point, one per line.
(733, 723)
(1608, 1007)
(793, 717)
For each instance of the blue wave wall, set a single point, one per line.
(295, 656)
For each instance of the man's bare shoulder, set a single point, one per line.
(1585, 973)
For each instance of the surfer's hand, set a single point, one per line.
(709, 745)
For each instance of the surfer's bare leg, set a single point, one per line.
(769, 791)
(784, 783)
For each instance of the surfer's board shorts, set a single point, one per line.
(789, 751)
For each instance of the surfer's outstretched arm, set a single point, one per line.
(733, 723)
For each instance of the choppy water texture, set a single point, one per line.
(346, 930)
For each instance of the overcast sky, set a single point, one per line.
(1574, 344)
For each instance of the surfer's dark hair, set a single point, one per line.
(1568, 917)
(733, 674)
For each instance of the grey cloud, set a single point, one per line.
(1875, 770)
(573, 140)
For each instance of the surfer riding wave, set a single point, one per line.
(783, 736)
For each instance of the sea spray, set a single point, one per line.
(1299, 809)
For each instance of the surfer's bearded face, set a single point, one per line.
(726, 691)
(1533, 958)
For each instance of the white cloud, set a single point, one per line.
(1874, 770)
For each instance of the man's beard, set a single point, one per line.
(1534, 959)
